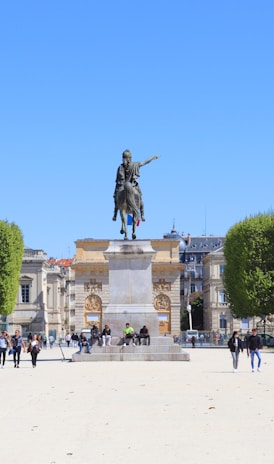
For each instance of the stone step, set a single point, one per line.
(133, 353)
(162, 340)
(126, 356)
(132, 349)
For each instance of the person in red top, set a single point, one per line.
(145, 335)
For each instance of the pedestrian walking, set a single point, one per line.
(4, 343)
(17, 343)
(253, 347)
(34, 348)
(68, 338)
(75, 339)
(235, 345)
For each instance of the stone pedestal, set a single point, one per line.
(160, 349)
(130, 287)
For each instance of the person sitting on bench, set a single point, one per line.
(129, 334)
(145, 335)
(106, 335)
(95, 336)
(83, 342)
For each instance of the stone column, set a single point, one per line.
(130, 287)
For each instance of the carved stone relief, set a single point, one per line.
(93, 303)
(162, 302)
(162, 286)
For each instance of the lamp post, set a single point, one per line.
(190, 268)
(264, 322)
(189, 316)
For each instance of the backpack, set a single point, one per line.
(230, 344)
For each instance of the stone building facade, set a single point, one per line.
(217, 314)
(30, 313)
(44, 297)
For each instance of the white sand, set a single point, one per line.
(137, 412)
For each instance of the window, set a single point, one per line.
(245, 324)
(192, 288)
(222, 269)
(25, 293)
(222, 297)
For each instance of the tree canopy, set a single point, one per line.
(11, 254)
(249, 269)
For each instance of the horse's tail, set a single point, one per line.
(130, 199)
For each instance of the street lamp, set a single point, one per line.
(264, 322)
(189, 316)
(190, 267)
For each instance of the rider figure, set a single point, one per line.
(129, 172)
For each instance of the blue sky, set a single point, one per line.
(191, 81)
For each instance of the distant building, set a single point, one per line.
(192, 251)
(45, 296)
(204, 261)
(217, 314)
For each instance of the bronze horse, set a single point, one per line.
(128, 203)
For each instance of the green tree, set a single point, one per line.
(249, 270)
(196, 300)
(11, 254)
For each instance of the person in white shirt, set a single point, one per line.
(34, 348)
(106, 335)
(68, 338)
(4, 343)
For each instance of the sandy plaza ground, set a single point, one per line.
(131, 412)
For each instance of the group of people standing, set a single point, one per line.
(253, 345)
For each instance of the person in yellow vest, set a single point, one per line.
(129, 334)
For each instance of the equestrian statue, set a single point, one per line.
(127, 194)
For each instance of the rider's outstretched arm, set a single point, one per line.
(149, 160)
